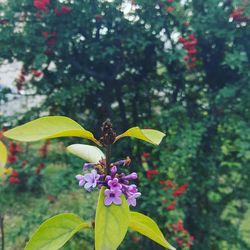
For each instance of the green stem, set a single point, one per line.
(2, 231)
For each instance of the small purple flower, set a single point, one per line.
(91, 180)
(112, 196)
(132, 188)
(88, 165)
(119, 163)
(114, 184)
(108, 178)
(132, 199)
(81, 179)
(131, 176)
(127, 161)
(113, 170)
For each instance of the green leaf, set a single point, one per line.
(3, 155)
(146, 226)
(148, 135)
(1, 172)
(49, 127)
(111, 223)
(86, 152)
(55, 232)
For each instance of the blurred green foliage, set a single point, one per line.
(123, 60)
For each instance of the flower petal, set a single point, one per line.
(88, 177)
(88, 186)
(107, 201)
(79, 177)
(81, 183)
(117, 200)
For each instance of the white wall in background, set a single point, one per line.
(17, 103)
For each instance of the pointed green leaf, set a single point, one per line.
(55, 232)
(146, 226)
(49, 127)
(148, 135)
(3, 155)
(86, 152)
(111, 223)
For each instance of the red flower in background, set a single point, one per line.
(14, 148)
(65, 9)
(14, 178)
(183, 236)
(45, 34)
(180, 190)
(189, 44)
(98, 17)
(51, 38)
(163, 182)
(178, 226)
(169, 183)
(36, 73)
(171, 206)
(57, 12)
(180, 242)
(238, 15)
(51, 41)
(170, 9)
(41, 4)
(11, 158)
(14, 173)
(145, 155)
(40, 165)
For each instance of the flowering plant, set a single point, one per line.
(113, 215)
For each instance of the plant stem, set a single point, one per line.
(2, 231)
(108, 156)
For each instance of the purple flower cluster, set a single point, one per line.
(116, 184)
